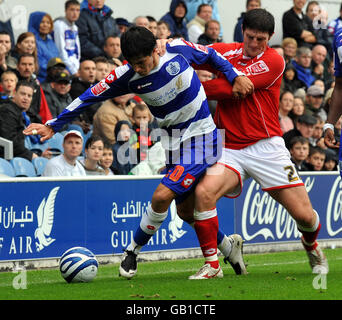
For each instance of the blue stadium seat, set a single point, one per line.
(23, 167)
(77, 127)
(56, 144)
(39, 164)
(6, 168)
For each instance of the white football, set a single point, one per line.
(78, 264)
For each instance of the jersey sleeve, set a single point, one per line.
(114, 85)
(200, 54)
(263, 73)
(338, 53)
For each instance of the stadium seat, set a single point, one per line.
(23, 167)
(39, 148)
(56, 144)
(73, 126)
(6, 168)
(39, 164)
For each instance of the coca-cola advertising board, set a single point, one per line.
(259, 218)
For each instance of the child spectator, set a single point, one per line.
(142, 125)
(163, 30)
(124, 155)
(107, 159)
(290, 79)
(102, 68)
(9, 81)
(299, 149)
(331, 160)
(93, 154)
(66, 36)
(317, 136)
(316, 158)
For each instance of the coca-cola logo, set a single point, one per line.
(263, 216)
(334, 209)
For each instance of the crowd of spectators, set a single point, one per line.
(55, 61)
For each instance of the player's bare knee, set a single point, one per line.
(203, 194)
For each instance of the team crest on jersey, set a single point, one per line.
(258, 68)
(173, 68)
(99, 88)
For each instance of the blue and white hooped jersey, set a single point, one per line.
(171, 90)
(337, 46)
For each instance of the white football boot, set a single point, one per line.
(207, 272)
(317, 260)
(235, 257)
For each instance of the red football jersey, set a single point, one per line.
(248, 120)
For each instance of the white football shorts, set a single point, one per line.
(267, 162)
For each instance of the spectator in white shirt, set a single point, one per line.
(67, 164)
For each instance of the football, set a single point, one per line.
(78, 264)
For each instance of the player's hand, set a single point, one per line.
(37, 128)
(242, 87)
(161, 45)
(329, 139)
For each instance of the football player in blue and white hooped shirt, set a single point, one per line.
(335, 109)
(176, 98)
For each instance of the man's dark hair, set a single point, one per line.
(260, 20)
(300, 139)
(137, 42)
(24, 83)
(71, 3)
(24, 55)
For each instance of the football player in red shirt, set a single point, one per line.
(254, 146)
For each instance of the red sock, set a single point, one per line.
(206, 231)
(309, 238)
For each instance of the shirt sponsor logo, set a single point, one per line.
(258, 68)
(99, 88)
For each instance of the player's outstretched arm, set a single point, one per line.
(44, 131)
(335, 112)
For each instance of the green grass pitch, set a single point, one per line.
(272, 276)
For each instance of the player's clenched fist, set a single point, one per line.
(242, 87)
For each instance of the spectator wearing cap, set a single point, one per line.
(66, 164)
(41, 24)
(57, 93)
(54, 66)
(304, 126)
(122, 24)
(314, 102)
(94, 26)
(66, 36)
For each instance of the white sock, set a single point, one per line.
(225, 247)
